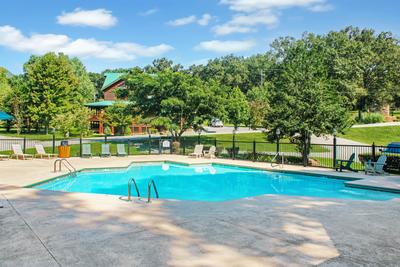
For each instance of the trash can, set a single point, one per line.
(64, 150)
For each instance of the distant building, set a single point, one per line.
(111, 83)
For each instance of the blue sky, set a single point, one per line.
(127, 33)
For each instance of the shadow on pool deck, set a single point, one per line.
(72, 229)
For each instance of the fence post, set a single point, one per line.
(334, 151)
(105, 139)
(54, 143)
(215, 142)
(129, 148)
(24, 144)
(305, 151)
(254, 150)
(198, 139)
(373, 151)
(183, 145)
(233, 146)
(80, 145)
(149, 144)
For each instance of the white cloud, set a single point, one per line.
(149, 12)
(226, 46)
(321, 8)
(87, 48)
(183, 21)
(243, 23)
(256, 5)
(203, 21)
(253, 13)
(100, 18)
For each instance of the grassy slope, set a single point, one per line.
(379, 135)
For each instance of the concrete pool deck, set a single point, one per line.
(45, 228)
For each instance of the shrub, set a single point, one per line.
(128, 130)
(372, 118)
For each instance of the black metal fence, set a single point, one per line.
(321, 155)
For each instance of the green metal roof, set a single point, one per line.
(111, 78)
(104, 104)
(5, 116)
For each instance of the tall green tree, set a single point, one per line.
(175, 98)
(5, 89)
(85, 90)
(51, 85)
(237, 107)
(304, 100)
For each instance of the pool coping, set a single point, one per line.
(349, 181)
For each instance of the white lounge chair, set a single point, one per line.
(4, 157)
(376, 167)
(42, 153)
(105, 150)
(198, 151)
(121, 150)
(210, 153)
(18, 153)
(86, 150)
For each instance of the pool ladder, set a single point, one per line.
(151, 185)
(277, 163)
(66, 164)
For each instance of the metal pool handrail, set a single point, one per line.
(151, 183)
(64, 162)
(276, 158)
(130, 186)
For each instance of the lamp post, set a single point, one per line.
(278, 133)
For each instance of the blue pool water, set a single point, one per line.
(208, 183)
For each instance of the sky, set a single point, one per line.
(126, 33)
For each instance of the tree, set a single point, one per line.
(64, 123)
(174, 98)
(98, 80)
(85, 90)
(237, 107)
(82, 120)
(258, 105)
(118, 116)
(304, 101)
(51, 81)
(5, 89)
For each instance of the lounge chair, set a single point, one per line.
(105, 150)
(42, 153)
(17, 150)
(2, 157)
(121, 150)
(342, 164)
(86, 150)
(210, 153)
(376, 167)
(198, 151)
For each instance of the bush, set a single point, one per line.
(128, 131)
(372, 118)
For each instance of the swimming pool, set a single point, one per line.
(212, 182)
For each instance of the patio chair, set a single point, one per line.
(342, 164)
(376, 167)
(42, 153)
(17, 150)
(210, 153)
(198, 151)
(105, 150)
(121, 150)
(86, 150)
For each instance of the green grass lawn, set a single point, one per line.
(379, 135)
